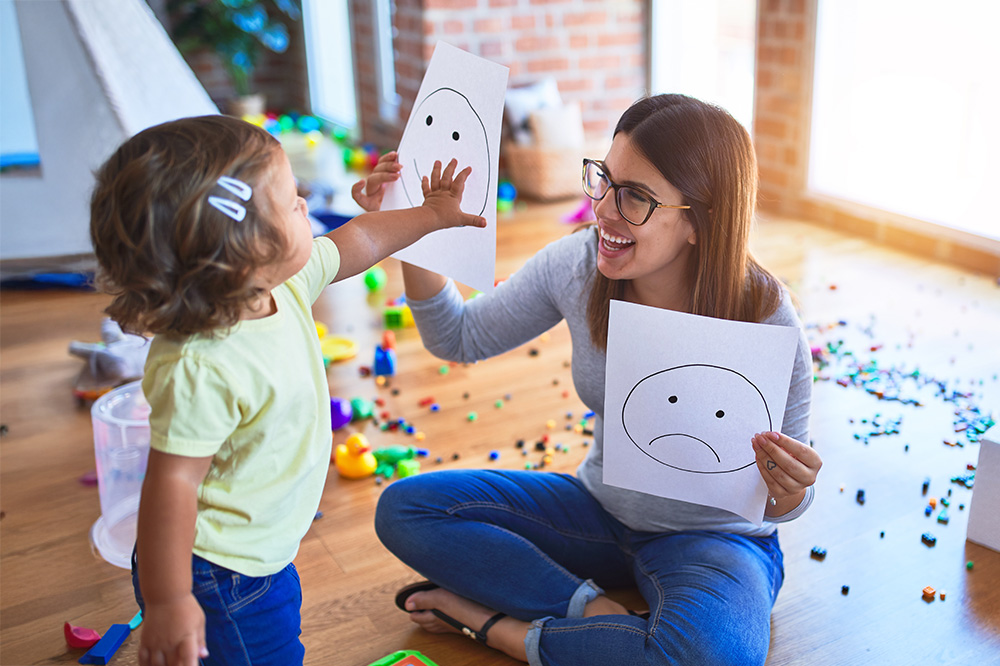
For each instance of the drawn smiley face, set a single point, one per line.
(715, 403)
(445, 125)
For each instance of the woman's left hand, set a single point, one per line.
(787, 465)
(368, 192)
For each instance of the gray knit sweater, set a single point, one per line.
(554, 285)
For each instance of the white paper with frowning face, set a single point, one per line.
(684, 396)
(457, 114)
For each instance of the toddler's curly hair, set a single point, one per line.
(173, 263)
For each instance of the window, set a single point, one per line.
(18, 142)
(905, 99)
(330, 61)
(705, 49)
(385, 55)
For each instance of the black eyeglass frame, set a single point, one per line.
(653, 203)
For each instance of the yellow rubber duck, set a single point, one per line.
(354, 458)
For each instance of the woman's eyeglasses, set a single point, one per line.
(634, 205)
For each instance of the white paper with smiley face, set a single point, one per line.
(457, 114)
(683, 401)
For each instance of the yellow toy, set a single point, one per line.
(354, 458)
(337, 348)
(334, 347)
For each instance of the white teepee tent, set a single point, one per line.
(97, 73)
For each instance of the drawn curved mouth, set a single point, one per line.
(681, 434)
(414, 201)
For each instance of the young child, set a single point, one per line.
(202, 240)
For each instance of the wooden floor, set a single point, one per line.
(915, 313)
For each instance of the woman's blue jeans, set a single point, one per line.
(249, 621)
(537, 546)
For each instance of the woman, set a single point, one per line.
(521, 557)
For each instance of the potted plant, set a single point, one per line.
(237, 31)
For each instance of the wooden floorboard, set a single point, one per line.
(917, 314)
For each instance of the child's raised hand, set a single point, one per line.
(369, 192)
(443, 193)
(787, 465)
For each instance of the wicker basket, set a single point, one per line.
(545, 174)
(549, 174)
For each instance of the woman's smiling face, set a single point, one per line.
(660, 248)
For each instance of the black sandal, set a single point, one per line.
(423, 586)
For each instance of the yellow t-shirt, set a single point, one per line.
(257, 400)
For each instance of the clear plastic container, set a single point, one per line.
(121, 450)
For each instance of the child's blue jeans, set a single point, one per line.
(537, 545)
(248, 621)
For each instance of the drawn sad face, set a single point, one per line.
(696, 418)
(444, 125)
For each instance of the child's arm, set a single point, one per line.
(373, 236)
(788, 467)
(173, 625)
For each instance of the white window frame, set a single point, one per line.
(689, 53)
(330, 61)
(385, 60)
(18, 139)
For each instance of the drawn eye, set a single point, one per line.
(719, 414)
(672, 399)
(454, 136)
(430, 119)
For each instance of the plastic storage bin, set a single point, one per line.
(121, 449)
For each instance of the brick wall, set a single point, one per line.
(281, 77)
(786, 32)
(596, 51)
(362, 31)
(410, 66)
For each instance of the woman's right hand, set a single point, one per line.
(173, 633)
(369, 192)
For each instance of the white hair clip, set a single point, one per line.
(228, 207)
